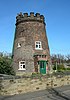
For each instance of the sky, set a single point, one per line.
(57, 19)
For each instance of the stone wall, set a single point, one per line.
(24, 85)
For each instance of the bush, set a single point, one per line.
(5, 66)
(59, 67)
(67, 68)
(36, 75)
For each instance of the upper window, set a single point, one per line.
(21, 65)
(38, 45)
(18, 45)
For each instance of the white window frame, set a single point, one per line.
(38, 43)
(21, 65)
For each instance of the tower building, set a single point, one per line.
(30, 49)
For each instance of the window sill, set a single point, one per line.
(22, 69)
(38, 49)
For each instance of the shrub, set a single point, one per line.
(59, 67)
(5, 66)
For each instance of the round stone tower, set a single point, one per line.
(30, 49)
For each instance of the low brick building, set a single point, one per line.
(30, 49)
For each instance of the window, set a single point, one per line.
(21, 65)
(18, 45)
(38, 45)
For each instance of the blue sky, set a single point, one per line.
(57, 18)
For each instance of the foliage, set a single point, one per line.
(36, 75)
(1, 86)
(59, 67)
(59, 60)
(67, 68)
(5, 65)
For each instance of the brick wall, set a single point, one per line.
(28, 30)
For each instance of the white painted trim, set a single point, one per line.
(21, 65)
(38, 45)
(21, 69)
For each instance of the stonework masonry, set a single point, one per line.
(24, 85)
(29, 29)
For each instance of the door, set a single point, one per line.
(42, 67)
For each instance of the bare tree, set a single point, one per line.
(68, 58)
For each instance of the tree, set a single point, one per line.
(60, 59)
(68, 58)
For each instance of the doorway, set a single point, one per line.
(42, 67)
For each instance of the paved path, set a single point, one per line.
(62, 93)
